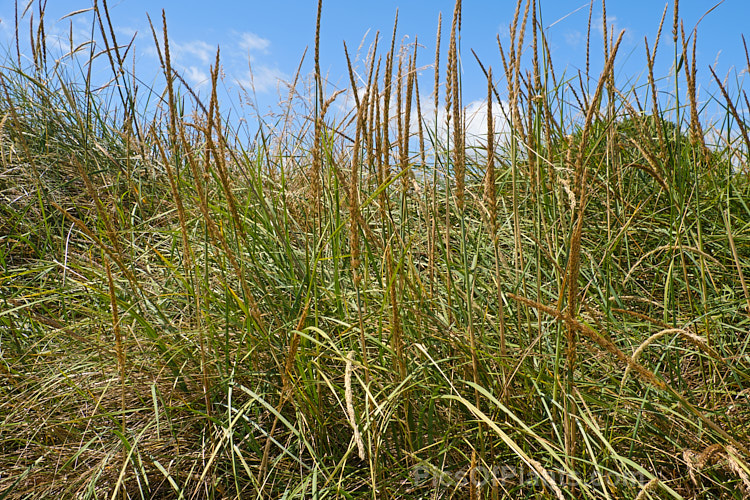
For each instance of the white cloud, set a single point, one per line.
(193, 59)
(6, 28)
(598, 24)
(195, 76)
(261, 78)
(59, 33)
(345, 103)
(573, 38)
(126, 31)
(504, 31)
(195, 51)
(476, 122)
(475, 116)
(250, 42)
(613, 27)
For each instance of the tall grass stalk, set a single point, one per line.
(361, 300)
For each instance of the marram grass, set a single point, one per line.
(373, 307)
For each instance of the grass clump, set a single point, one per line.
(373, 307)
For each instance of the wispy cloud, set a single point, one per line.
(503, 30)
(6, 27)
(129, 32)
(196, 76)
(573, 38)
(613, 27)
(75, 30)
(250, 42)
(262, 75)
(194, 51)
(193, 58)
(261, 78)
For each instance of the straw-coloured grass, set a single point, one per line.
(375, 306)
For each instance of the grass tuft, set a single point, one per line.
(375, 306)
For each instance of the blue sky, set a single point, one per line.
(271, 36)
